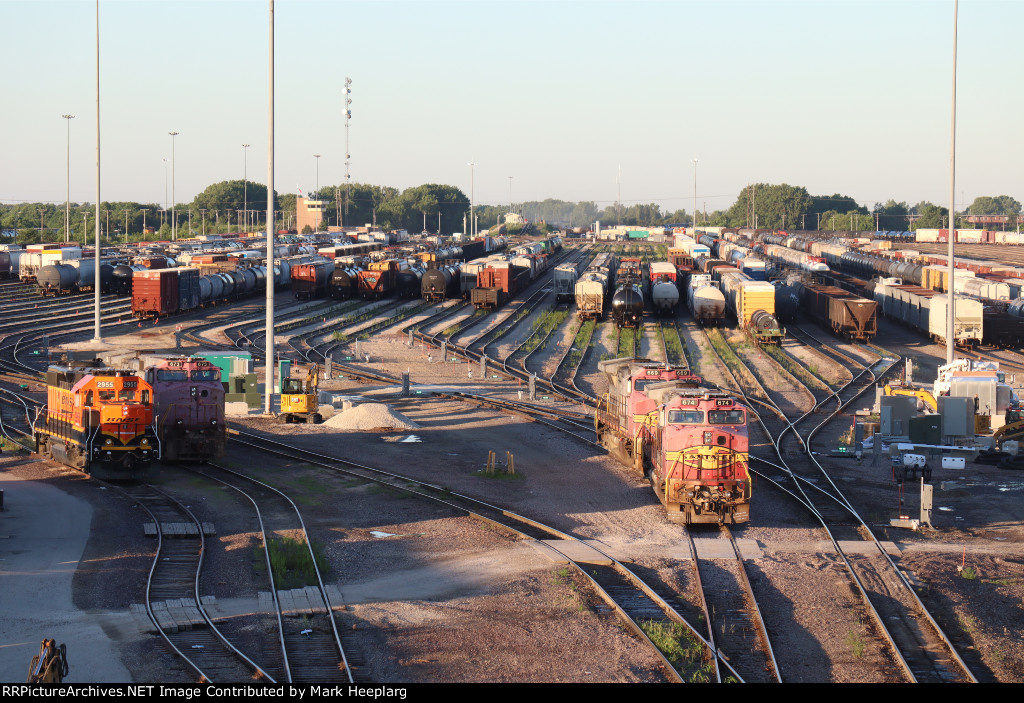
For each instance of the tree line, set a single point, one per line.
(235, 205)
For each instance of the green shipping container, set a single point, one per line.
(638, 234)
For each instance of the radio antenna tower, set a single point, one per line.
(347, 92)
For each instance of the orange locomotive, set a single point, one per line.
(690, 441)
(98, 420)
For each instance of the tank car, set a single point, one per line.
(688, 439)
(98, 420)
(705, 300)
(439, 282)
(344, 282)
(628, 304)
(189, 408)
(408, 281)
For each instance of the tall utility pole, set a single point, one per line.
(950, 331)
(695, 161)
(67, 206)
(347, 111)
(174, 220)
(472, 220)
(269, 370)
(166, 161)
(510, 193)
(317, 157)
(245, 186)
(97, 335)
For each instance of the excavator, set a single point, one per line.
(300, 398)
(1012, 430)
(922, 395)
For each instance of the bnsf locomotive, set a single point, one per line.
(98, 420)
(189, 408)
(689, 440)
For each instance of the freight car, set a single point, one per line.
(409, 280)
(160, 292)
(690, 441)
(497, 283)
(664, 287)
(440, 282)
(628, 299)
(310, 280)
(344, 281)
(592, 288)
(925, 310)
(705, 299)
(844, 313)
(188, 404)
(564, 281)
(98, 420)
(379, 280)
(753, 303)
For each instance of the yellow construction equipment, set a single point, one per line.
(922, 395)
(300, 398)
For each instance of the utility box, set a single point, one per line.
(926, 429)
(284, 370)
(957, 416)
(895, 412)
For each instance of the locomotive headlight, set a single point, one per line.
(109, 441)
(145, 441)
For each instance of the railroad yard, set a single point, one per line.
(474, 528)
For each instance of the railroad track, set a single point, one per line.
(922, 650)
(634, 601)
(172, 592)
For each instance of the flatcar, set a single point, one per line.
(98, 420)
(688, 439)
(188, 407)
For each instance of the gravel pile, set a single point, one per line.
(369, 416)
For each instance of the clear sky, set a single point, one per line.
(837, 96)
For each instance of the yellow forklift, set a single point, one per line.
(300, 398)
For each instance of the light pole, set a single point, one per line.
(165, 193)
(695, 161)
(67, 206)
(510, 193)
(245, 184)
(174, 220)
(472, 220)
(317, 157)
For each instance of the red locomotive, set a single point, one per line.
(189, 408)
(98, 420)
(689, 440)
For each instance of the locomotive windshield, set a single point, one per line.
(205, 375)
(725, 417)
(686, 417)
(171, 375)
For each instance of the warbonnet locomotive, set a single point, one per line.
(690, 441)
(98, 420)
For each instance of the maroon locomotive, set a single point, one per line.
(188, 408)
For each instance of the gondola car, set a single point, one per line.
(98, 420)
